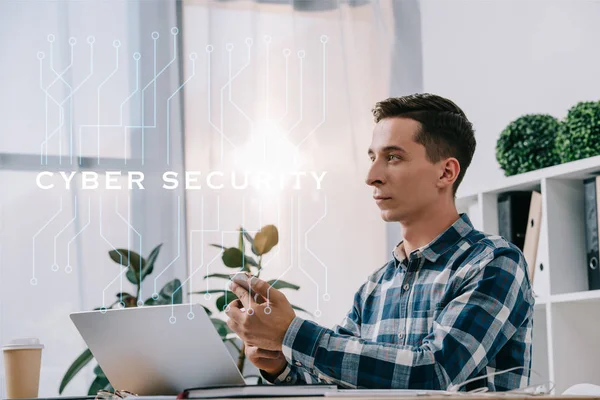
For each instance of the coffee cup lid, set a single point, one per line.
(23, 344)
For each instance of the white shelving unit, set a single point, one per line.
(566, 326)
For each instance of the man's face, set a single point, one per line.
(405, 182)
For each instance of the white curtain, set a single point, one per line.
(285, 90)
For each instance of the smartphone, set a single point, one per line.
(241, 279)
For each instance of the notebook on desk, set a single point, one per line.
(233, 391)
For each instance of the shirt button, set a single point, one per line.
(401, 335)
(298, 364)
(289, 378)
(406, 286)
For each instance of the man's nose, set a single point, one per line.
(374, 176)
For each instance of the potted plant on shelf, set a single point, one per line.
(579, 136)
(528, 143)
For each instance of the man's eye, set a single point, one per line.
(394, 157)
(372, 159)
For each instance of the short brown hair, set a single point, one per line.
(445, 130)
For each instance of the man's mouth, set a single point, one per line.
(381, 199)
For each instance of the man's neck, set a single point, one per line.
(421, 230)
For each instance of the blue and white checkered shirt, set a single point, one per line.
(457, 308)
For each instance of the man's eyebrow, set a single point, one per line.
(387, 149)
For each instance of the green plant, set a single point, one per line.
(236, 258)
(527, 144)
(138, 268)
(579, 136)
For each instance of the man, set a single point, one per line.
(453, 304)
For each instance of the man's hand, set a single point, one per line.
(260, 325)
(272, 362)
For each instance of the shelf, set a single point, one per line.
(575, 333)
(579, 169)
(540, 302)
(566, 315)
(584, 296)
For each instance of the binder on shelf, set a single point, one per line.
(513, 212)
(592, 222)
(541, 284)
(532, 233)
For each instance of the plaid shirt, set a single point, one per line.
(457, 308)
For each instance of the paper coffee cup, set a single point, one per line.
(22, 364)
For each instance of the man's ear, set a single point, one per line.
(450, 168)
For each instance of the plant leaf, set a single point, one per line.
(241, 241)
(300, 309)
(278, 284)
(209, 291)
(218, 246)
(224, 276)
(221, 327)
(250, 260)
(166, 295)
(208, 312)
(149, 265)
(227, 298)
(265, 240)
(248, 237)
(132, 276)
(233, 258)
(120, 256)
(129, 299)
(101, 382)
(151, 302)
(130, 259)
(77, 365)
(233, 343)
(98, 371)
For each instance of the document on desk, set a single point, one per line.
(384, 393)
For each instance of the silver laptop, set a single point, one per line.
(158, 350)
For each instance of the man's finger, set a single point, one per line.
(235, 314)
(264, 289)
(242, 294)
(236, 303)
(233, 326)
(262, 353)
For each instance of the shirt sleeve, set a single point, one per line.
(295, 375)
(292, 375)
(470, 330)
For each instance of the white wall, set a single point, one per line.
(501, 59)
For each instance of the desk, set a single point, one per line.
(490, 396)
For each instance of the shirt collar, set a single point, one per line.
(442, 243)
